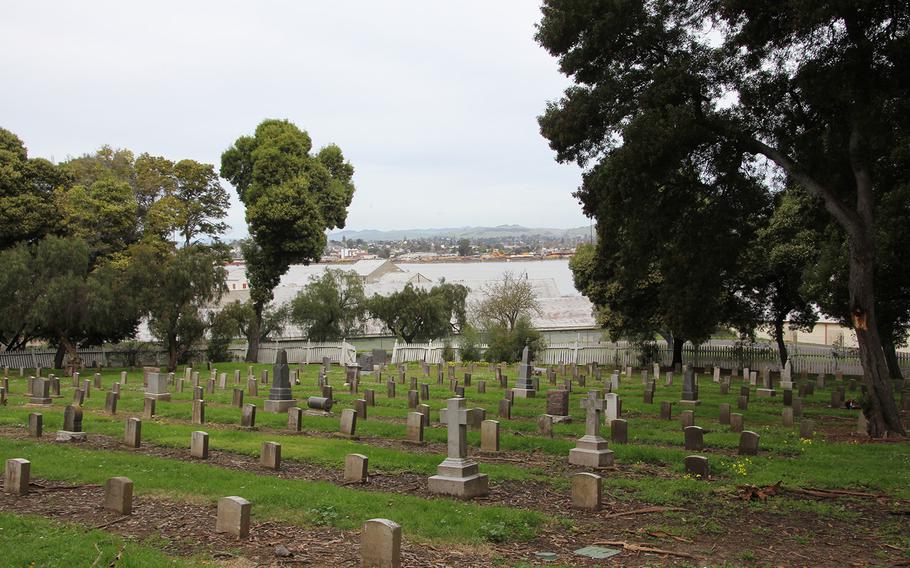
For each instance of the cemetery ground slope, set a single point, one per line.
(841, 496)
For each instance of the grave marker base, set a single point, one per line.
(279, 406)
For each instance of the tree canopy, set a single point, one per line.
(743, 89)
(331, 306)
(291, 196)
(417, 314)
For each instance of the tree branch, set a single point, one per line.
(847, 218)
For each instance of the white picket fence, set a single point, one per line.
(342, 353)
(620, 354)
(810, 359)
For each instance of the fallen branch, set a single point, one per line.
(632, 547)
(843, 492)
(645, 510)
(109, 523)
(834, 493)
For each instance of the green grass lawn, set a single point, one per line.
(654, 443)
(30, 541)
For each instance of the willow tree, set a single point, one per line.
(292, 196)
(814, 94)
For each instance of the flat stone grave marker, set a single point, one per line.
(697, 466)
(16, 476)
(118, 495)
(587, 491)
(233, 516)
(35, 424)
(270, 455)
(414, 431)
(489, 436)
(355, 468)
(619, 431)
(694, 438)
(748, 443)
(199, 445)
(380, 544)
(348, 423)
(295, 419)
(132, 433)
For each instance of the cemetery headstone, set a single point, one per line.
(524, 387)
(489, 436)
(697, 466)
(72, 425)
(414, 430)
(380, 544)
(270, 455)
(118, 495)
(157, 387)
(17, 476)
(199, 445)
(694, 438)
(233, 516)
(619, 431)
(132, 433)
(748, 443)
(458, 475)
(35, 425)
(356, 468)
(736, 422)
(591, 450)
(587, 491)
(348, 427)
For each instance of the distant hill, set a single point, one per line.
(502, 231)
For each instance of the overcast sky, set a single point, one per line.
(434, 104)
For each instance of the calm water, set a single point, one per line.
(557, 269)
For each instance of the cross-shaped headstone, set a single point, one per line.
(457, 418)
(594, 405)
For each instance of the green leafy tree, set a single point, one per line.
(241, 315)
(774, 265)
(464, 247)
(652, 88)
(331, 306)
(292, 197)
(222, 330)
(204, 202)
(78, 303)
(417, 314)
(103, 214)
(506, 345)
(178, 286)
(27, 186)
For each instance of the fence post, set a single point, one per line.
(395, 352)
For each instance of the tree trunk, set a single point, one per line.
(58, 356)
(172, 353)
(779, 338)
(878, 403)
(252, 349)
(894, 368)
(677, 352)
(73, 361)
